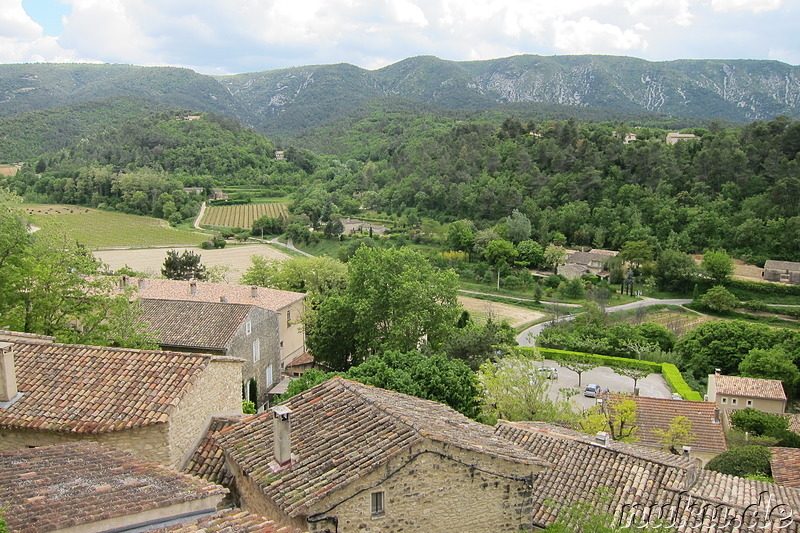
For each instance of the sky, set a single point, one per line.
(234, 36)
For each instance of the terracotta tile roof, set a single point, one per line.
(229, 521)
(770, 389)
(208, 461)
(786, 466)
(660, 479)
(794, 422)
(304, 358)
(586, 258)
(91, 389)
(204, 291)
(10, 336)
(657, 414)
(66, 485)
(342, 430)
(200, 325)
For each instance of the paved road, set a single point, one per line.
(526, 338)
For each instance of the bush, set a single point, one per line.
(743, 461)
(676, 382)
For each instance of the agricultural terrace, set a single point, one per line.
(678, 320)
(242, 216)
(103, 229)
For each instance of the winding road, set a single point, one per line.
(527, 337)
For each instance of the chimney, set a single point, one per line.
(123, 280)
(601, 439)
(254, 292)
(142, 284)
(716, 415)
(8, 375)
(282, 435)
(223, 299)
(192, 287)
(717, 371)
(686, 451)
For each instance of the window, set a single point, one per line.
(734, 401)
(248, 328)
(269, 375)
(288, 318)
(749, 403)
(376, 504)
(724, 400)
(256, 350)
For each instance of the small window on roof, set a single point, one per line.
(376, 504)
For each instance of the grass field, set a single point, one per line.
(103, 229)
(241, 216)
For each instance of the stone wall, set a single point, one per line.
(264, 326)
(434, 489)
(217, 391)
(148, 442)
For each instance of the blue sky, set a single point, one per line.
(226, 37)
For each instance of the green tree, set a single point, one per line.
(772, 363)
(676, 436)
(266, 225)
(721, 344)
(637, 252)
(720, 299)
(519, 227)
(499, 254)
(718, 266)
(554, 256)
(186, 266)
(315, 276)
(461, 235)
(616, 417)
(530, 253)
(475, 343)
(675, 271)
(743, 461)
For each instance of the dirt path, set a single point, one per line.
(150, 260)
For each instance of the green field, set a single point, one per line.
(103, 229)
(242, 216)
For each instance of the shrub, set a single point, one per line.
(676, 382)
(743, 461)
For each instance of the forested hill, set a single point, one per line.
(288, 101)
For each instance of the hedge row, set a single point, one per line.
(670, 372)
(676, 382)
(763, 287)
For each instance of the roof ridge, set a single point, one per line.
(94, 347)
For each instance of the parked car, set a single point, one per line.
(592, 390)
(551, 372)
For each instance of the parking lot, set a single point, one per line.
(653, 385)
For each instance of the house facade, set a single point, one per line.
(344, 456)
(155, 404)
(735, 392)
(782, 271)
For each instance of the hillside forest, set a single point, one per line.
(578, 184)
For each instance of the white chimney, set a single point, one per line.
(601, 438)
(282, 435)
(192, 287)
(717, 371)
(142, 284)
(254, 292)
(686, 451)
(8, 374)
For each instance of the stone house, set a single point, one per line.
(735, 392)
(247, 332)
(782, 271)
(674, 138)
(156, 404)
(656, 414)
(344, 457)
(644, 483)
(580, 263)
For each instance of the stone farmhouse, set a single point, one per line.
(647, 484)
(256, 324)
(156, 404)
(735, 392)
(674, 137)
(782, 271)
(656, 414)
(580, 263)
(343, 457)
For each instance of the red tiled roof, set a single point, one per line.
(204, 291)
(659, 481)
(304, 358)
(68, 485)
(786, 466)
(208, 461)
(342, 430)
(656, 414)
(197, 325)
(91, 389)
(770, 389)
(229, 521)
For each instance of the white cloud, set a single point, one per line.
(786, 55)
(15, 22)
(677, 11)
(590, 36)
(405, 12)
(756, 6)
